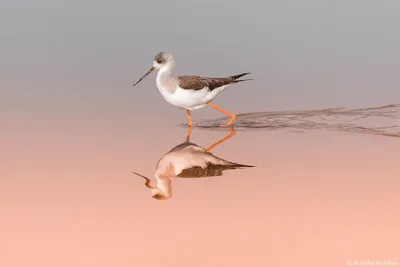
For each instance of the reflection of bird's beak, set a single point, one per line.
(150, 70)
(148, 181)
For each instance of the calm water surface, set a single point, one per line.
(74, 129)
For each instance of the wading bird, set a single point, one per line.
(189, 92)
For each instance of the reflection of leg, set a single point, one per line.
(188, 134)
(233, 116)
(189, 118)
(190, 125)
(232, 134)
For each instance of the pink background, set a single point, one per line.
(73, 129)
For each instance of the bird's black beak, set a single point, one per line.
(150, 70)
(148, 181)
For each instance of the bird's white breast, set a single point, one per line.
(189, 99)
(183, 98)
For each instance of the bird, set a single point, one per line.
(188, 160)
(189, 92)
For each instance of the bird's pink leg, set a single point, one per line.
(233, 116)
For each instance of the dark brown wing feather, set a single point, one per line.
(198, 82)
(210, 171)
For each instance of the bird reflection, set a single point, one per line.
(188, 160)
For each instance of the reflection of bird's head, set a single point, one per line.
(160, 196)
(163, 189)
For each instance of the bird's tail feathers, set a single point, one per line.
(242, 80)
(235, 77)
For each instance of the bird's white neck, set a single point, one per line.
(165, 72)
(165, 82)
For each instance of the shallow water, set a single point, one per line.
(74, 129)
(69, 198)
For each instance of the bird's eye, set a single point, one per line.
(159, 61)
